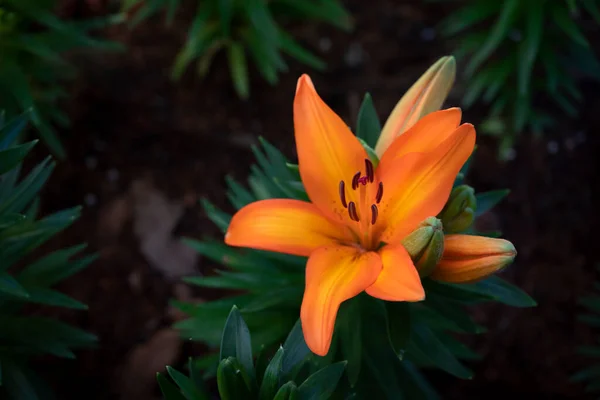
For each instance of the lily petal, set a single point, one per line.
(426, 135)
(399, 279)
(425, 96)
(285, 226)
(334, 274)
(469, 258)
(417, 187)
(328, 152)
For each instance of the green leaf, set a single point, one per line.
(273, 373)
(399, 316)
(239, 69)
(471, 14)
(378, 352)
(349, 329)
(368, 126)
(592, 8)
(10, 286)
(225, 8)
(236, 341)
(529, 49)
(168, 389)
(9, 158)
(425, 344)
(51, 297)
(294, 49)
(498, 33)
(232, 380)
(321, 384)
(288, 391)
(296, 350)
(502, 291)
(488, 200)
(565, 22)
(188, 389)
(196, 376)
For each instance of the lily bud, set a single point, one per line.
(425, 245)
(459, 212)
(232, 380)
(469, 258)
(425, 96)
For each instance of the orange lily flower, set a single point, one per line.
(352, 229)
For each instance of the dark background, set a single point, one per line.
(143, 150)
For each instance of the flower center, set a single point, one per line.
(361, 208)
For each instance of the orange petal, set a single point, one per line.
(328, 152)
(426, 135)
(469, 258)
(399, 279)
(425, 96)
(333, 275)
(285, 226)
(418, 185)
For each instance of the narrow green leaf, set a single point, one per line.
(9, 158)
(294, 49)
(10, 286)
(236, 341)
(502, 291)
(296, 350)
(271, 378)
(399, 316)
(188, 389)
(349, 328)
(168, 389)
(288, 391)
(564, 21)
(368, 126)
(498, 33)
(529, 48)
(55, 298)
(239, 69)
(225, 8)
(488, 200)
(232, 380)
(321, 384)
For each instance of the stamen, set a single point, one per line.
(379, 194)
(369, 170)
(343, 194)
(355, 179)
(352, 211)
(364, 180)
(374, 214)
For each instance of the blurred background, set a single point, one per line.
(154, 102)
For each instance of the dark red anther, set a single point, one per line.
(352, 211)
(355, 179)
(343, 194)
(379, 194)
(369, 170)
(374, 214)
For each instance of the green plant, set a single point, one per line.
(244, 28)
(24, 280)
(32, 69)
(239, 377)
(385, 343)
(521, 53)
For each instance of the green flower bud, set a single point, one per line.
(425, 245)
(232, 380)
(459, 212)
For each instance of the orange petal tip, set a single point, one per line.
(304, 80)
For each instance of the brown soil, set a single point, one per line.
(131, 123)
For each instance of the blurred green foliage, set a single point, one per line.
(32, 68)
(244, 28)
(520, 54)
(292, 372)
(385, 344)
(25, 280)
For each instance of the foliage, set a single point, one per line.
(239, 377)
(32, 69)
(384, 343)
(519, 54)
(24, 280)
(244, 28)
(591, 374)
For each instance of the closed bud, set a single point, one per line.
(469, 258)
(232, 380)
(459, 213)
(425, 245)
